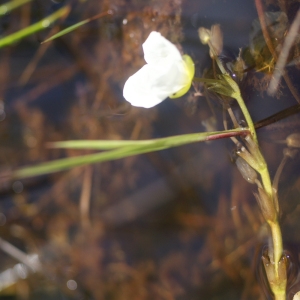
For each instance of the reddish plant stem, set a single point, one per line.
(227, 135)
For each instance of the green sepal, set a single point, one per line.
(191, 72)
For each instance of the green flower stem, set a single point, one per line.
(264, 173)
(265, 177)
(238, 97)
(280, 283)
(236, 94)
(277, 268)
(280, 286)
(277, 244)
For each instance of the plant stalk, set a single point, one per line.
(276, 270)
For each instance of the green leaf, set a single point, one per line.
(65, 31)
(75, 26)
(120, 149)
(11, 5)
(12, 38)
(221, 86)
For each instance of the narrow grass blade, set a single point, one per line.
(65, 31)
(121, 149)
(11, 5)
(34, 27)
(75, 26)
(171, 141)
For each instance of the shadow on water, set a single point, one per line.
(175, 224)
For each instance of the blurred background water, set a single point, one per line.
(175, 224)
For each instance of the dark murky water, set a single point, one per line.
(176, 224)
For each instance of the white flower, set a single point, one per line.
(297, 296)
(165, 74)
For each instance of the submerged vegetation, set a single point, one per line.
(210, 220)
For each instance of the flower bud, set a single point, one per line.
(213, 37)
(293, 140)
(204, 35)
(249, 158)
(276, 277)
(247, 172)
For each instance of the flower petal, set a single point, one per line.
(157, 48)
(139, 91)
(165, 74)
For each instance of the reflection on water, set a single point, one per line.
(177, 224)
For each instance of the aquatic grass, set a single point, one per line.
(275, 266)
(41, 25)
(11, 5)
(173, 141)
(274, 262)
(119, 149)
(75, 26)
